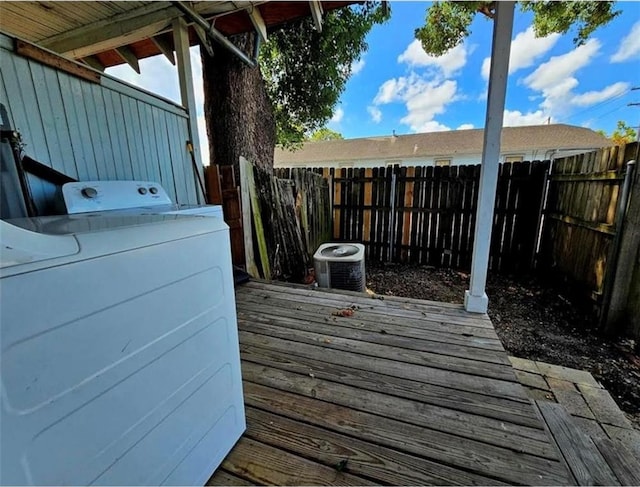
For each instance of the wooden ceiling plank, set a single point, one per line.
(105, 28)
(165, 47)
(29, 14)
(115, 8)
(217, 9)
(129, 57)
(25, 26)
(71, 15)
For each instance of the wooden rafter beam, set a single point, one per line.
(165, 47)
(316, 13)
(121, 29)
(129, 27)
(93, 62)
(258, 22)
(204, 39)
(129, 57)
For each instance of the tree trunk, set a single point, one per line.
(237, 109)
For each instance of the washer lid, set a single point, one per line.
(91, 237)
(85, 223)
(20, 246)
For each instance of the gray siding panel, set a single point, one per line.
(132, 123)
(72, 121)
(89, 131)
(160, 132)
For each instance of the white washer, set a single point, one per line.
(120, 360)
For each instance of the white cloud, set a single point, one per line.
(514, 118)
(157, 75)
(427, 102)
(555, 78)
(431, 126)
(486, 67)
(390, 91)
(450, 62)
(204, 141)
(198, 86)
(629, 46)
(424, 99)
(376, 114)
(357, 66)
(337, 115)
(560, 68)
(588, 124)
(525, 49)
(465, 126)
(592, 97)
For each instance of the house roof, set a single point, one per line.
(106, 33)
(450, 143)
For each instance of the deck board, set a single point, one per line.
(330, 400)
(587, 464)
(488, 405)
(314, 310)
(326, 317)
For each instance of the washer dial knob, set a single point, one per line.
(89, 192)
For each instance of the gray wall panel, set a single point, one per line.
(91, 131)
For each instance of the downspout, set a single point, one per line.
(217, 36)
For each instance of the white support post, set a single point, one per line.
(475, 299)
(187, 93)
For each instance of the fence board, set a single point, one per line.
(426, 215)
(580, 220)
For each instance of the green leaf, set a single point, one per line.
(306, 71)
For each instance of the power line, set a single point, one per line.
(601, 104)
(609, 112)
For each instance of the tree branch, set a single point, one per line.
(488, 9)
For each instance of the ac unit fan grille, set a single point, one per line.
(349, 276)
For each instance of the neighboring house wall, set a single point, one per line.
(92, 131)
(455, 160)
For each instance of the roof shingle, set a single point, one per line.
(451, 143)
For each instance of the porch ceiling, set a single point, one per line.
(104, 34)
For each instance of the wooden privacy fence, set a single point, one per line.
(426, 215)
(276, 221)
(313, 205)
(582, 221)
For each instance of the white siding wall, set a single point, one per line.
(93, 131)
(456, 160)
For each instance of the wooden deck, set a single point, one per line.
(402, 392)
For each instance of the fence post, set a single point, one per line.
(624, 250)
(392, 216)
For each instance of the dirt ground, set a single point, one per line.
(532, 321)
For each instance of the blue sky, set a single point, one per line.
(396, 86)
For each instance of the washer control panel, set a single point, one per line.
(88, 196)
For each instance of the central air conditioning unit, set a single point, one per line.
(340, 266)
